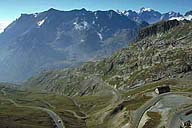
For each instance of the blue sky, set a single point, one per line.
(11, 9)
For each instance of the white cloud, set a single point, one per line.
(3, 25)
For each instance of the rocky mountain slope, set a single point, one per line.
(187, 16)
(162, 51)
(57, 39)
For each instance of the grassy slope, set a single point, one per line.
(13, 117)
(63, 106)
(100, 111)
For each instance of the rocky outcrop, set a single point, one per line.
(160, 27)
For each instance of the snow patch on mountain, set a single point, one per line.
(177, 18)
(145, 10)
(125, 12)
(100, 36)
(82, 40)
(35, 14)
(41, 22)
(96, 15)
(189, 17)
(81, 26)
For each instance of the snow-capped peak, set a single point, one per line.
(118, 11)
(189, 17)
(124, 12)
(127, 12)
(35, 14)
(145, 10)
(171, 12)
(188, 13)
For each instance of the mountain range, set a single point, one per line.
(152, 16)
(162, 51)
(57, 39)
(109, 90)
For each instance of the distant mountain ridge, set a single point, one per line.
(151, 16)
(57, 39)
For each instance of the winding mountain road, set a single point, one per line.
(58, 121)
(74, 113)
(140, 112)
(3, 91)
(77, 116)
(116, 94)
